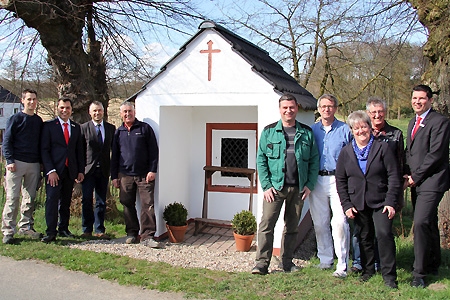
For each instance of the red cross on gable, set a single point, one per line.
(210, 51)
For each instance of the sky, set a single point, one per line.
(160, 47)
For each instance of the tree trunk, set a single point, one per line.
(444, 220)
(435, 15)
(79, 72)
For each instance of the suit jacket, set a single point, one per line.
(380, 186)
(94, 151)
(427, 156)
(54, 149)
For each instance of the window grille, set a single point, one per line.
(234, 153)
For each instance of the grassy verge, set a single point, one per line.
(310, 283)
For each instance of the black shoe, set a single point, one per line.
(391, 283)
(418, 282)
(260, 270)
(48, 238)
(65, 233)
(290, 268)
(365, 277)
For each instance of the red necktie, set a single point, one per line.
(419, 119)
(66, 137)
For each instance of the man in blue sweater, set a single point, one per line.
(134, 163)
(21, 151)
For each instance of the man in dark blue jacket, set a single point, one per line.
(21, 151)
(134, 164)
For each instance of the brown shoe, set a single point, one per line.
(102, 236)
(86, 235)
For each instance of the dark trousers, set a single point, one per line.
(291, 197)
(58, 201)
(373, 222)
(427, 248)
(94, 218)
(129, 185)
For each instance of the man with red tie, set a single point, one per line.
(63, 161)
(427, 173)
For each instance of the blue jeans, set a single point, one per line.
(90, 217)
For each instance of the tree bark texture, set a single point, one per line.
(79, 67)
(435, 16)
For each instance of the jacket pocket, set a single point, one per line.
(305, 150)
(273, 149)
(382, 187)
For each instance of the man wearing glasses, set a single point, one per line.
(381, 130)
(331, 136)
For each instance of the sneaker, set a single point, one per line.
(8, 239)
(291, 268)
(324, 266)
(260, 270)
(151, 243)
(131, 240)
(31, 233)
(339, 274)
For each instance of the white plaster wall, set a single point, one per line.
(8, 111)
(179, 103)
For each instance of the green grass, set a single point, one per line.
(310, 283)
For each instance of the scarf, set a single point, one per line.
(362, 154)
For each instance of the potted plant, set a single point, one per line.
(175, 214)
(244, 228)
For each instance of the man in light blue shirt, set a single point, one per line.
(331, 136)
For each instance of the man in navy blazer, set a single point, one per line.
(97, 137)
(63, 161)
(427, 173)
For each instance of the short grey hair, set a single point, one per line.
(375, 101)
(328, 97)
(358, 116)
(127, 103)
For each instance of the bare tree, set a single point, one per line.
(320, 40)
(77, 33)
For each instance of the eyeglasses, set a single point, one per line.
(373, 113)
(323, 107)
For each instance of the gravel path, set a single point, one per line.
(195, 257)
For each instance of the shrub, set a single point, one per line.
(244, 223)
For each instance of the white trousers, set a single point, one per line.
(325, 207)
(25, 178)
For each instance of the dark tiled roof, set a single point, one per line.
(7, 96)
(260, 61)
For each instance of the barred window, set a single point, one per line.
(234, 153)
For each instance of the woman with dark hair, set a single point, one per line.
(368, 184)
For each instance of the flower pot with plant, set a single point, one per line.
(175, 214)
(244, 228)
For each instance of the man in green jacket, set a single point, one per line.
(288, 166)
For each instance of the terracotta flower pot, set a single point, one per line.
(176, 233)
(243, 242)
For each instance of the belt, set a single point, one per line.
(326, 173)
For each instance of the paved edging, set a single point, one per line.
(29, 279)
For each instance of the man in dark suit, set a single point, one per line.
(63, 160)
(427, 173)
(98, 135)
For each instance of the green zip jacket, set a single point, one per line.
(271, 156)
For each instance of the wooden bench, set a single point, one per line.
(201, 223)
